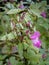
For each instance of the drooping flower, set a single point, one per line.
(21, 6)
(37, 43)
(35, 35)
(43, 14)
(35, 39)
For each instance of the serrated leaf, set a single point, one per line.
(45, 25)
(9, 36)
(35, 12)
(10, 6)
(14, 11)
(32, 56)
(36, 50)
(27, 17)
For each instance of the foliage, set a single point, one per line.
(15, 44)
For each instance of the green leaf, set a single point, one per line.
(10, 6)
(25, 46)
(15, 62)
(14, 11)
(5, 49)
(2, 57)
(32, 56)
(20, 50)
(45, 25)
(35, 12)
(0, 62)
(6, 18)
(41, 29)
(27, 17)
(9, 36)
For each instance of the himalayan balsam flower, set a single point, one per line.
(21, 6)
(37, 43)
(43, 14)
(35, 35)
(35, 39)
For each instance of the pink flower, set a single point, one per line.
(35, 39)
(35, 35)
(37, 43)
(43, 14)
(21, 6)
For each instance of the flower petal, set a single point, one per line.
(35, 35)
